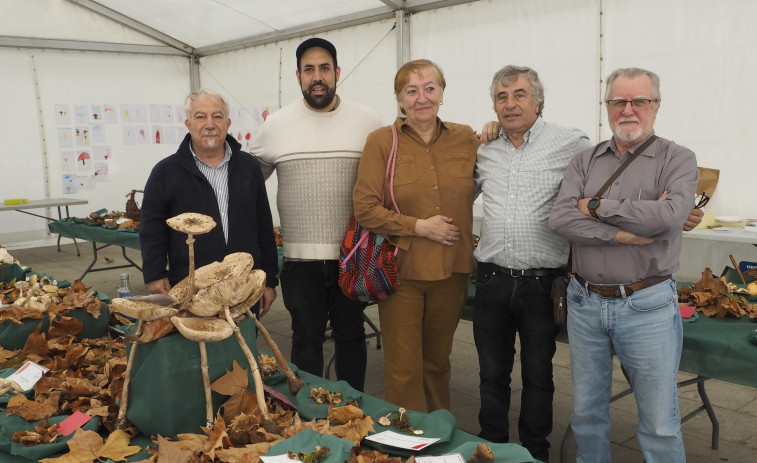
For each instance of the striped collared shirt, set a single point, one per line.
(219, 180)
(519, 187)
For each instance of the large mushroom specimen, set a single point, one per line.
(205, 307)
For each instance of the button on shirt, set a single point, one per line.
(519, 187)
(218, 177)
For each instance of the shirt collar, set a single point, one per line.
(226, 155)
(402, 122)
(534, 131)
(614, 147)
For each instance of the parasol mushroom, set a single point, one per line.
(142, 310)
(192, 224)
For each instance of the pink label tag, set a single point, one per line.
(69, 425)
(686, 310)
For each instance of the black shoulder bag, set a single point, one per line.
(560, 283)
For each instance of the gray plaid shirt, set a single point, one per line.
(519, 187)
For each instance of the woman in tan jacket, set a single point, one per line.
(433, 187)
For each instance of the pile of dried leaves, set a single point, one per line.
(84, 376)
(715, 298)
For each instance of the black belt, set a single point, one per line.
(522, 273)
(613, 291)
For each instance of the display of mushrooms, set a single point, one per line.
(206, 304)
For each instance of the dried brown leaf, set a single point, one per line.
(28, 409)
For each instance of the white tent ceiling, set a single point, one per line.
(196, 27)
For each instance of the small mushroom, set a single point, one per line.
(40, 303)
(21, 286)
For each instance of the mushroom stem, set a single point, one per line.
(295, 383)
(190, 244)
(121, 419)
(268, 423)
(206, 385)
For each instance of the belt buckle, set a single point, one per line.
(608, 291)
(516, 273)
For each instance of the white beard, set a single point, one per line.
(212, 142)
(627, 137)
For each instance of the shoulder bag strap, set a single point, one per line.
(623, 166)
(390, 165)
(612, 178)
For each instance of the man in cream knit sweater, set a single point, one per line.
(315, 144)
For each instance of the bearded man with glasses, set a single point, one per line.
(626, 247)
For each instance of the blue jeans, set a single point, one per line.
(644, 330)
(312, 296)
(503, 307)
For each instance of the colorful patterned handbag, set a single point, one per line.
(367, 261)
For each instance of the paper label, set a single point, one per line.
(28, 375)
(453, 458)
(402, 441)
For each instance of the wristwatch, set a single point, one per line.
(593, 206)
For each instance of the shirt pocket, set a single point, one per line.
(460, 165)
(405, 171)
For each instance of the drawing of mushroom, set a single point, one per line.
(82, 157)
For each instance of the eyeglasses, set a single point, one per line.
(639, 103)
(701, 200)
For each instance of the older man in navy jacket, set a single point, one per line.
(209, 174)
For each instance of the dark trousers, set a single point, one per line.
(503, 306)
(312, 296)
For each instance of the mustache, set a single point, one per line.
(628, 119)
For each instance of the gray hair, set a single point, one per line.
(204, 92)
(509, 74)
(631, 73)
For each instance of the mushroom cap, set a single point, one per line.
(191, 223)
(225, 293)
(142, 310)
(181, 292)
(203, 329)
(237, 263)
(259, 286)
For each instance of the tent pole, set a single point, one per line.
(194, 72)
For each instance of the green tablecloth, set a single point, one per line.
(69, 228)
(720, 349)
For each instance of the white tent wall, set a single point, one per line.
(78, 78)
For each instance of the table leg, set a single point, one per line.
(60, 217)
(706, 406)
(91, 267)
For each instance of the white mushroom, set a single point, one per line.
(259, 287)
(21, 286)
(142, 310)
(237, 263)
(40, 303)
(225, 293)
(192, 224)
(203, 329)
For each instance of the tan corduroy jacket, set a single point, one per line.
(430, 179)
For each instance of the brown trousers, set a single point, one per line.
(418, 324)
